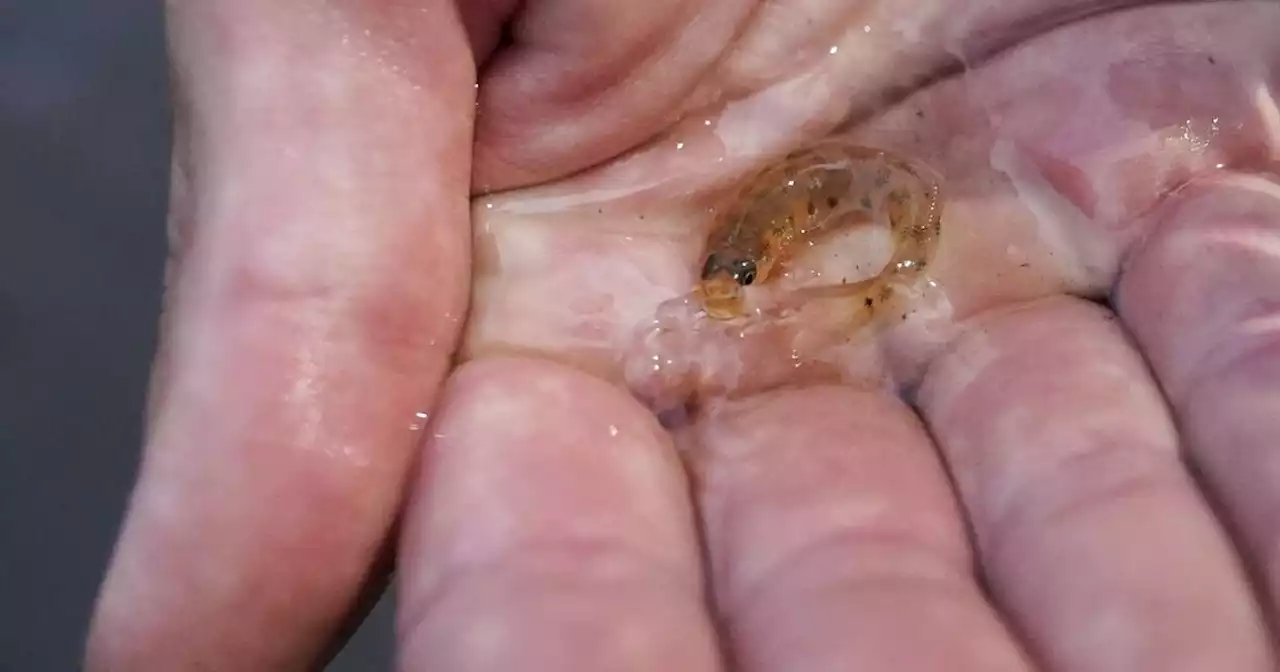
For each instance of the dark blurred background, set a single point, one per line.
(84, 149)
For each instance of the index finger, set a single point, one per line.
(320, 204)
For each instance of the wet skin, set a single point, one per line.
(1062, 457)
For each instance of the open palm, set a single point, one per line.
(1073, 485)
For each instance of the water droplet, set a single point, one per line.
(866, 29)
(834, 49)
(679, 145)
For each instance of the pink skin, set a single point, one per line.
(1070, 489)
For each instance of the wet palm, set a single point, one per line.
(1059, 152)
(1031, 507)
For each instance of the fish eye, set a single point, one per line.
(744, 271)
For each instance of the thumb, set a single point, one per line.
(321, 214)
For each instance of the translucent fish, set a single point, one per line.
(811, 193)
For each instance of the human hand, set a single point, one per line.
(1074, 488)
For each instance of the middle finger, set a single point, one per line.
(835, 542)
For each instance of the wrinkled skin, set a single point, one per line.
(1073, 487)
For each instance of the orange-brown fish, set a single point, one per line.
(810, 193)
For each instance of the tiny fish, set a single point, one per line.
(810, 193)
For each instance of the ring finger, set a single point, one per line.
(1089, 527)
